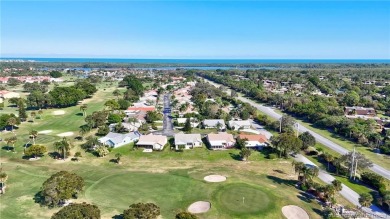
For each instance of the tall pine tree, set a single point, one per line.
(187, 127)
(22, 110)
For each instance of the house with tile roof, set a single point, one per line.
(220, 141)
(187, 141)
(254, 141)
(155, 142)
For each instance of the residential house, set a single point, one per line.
(128, 126)
(8, 94)
(254, 141)
(188, 141)
(220, 141)
(359, 111)
(116, 139)
(214, 123)
(155, 142)
(239, 124)
(182, 121)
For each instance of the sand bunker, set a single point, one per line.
(58, 112)
(294, 212)
(215, 178)
(45, 132)
(199, 207)
(65, 134)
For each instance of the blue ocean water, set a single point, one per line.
(201, 61)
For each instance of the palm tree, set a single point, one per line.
(11, 141)
(118, 157)
(34, 134)
(84, 108)
(84, 130)
(63, 147)
(3, 179)
(33, 115)
(329, 191)
(116, 93)
(365, 199)
(337, 185)
(308, 173)
(12, 122)
(328, 158)
(40, 112)
(245, 153)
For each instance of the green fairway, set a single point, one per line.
(170, 192)
(243, 199)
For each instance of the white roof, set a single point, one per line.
(187, 138)
(213, 122)
(239, 123)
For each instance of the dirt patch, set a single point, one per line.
(58, 112)
(199, 207)
(215, 178)
(45, 132)
(294, 212)
(65, 134)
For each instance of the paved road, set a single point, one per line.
(328, 143)
(167, 119)
(346, 192)
(269, 111)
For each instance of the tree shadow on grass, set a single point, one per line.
(118, 216)
(288, 182)
(79, 114)
(318, 211)
(7, 148)
(235, 156)
(305, 197)
(38, 198)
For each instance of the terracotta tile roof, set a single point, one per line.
(260, 138)
(144, 108)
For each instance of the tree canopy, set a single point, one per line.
(60, 187)
(142, 211)
(78, 211)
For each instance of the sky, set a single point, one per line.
(196, 29)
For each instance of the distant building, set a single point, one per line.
(8, 94)
(188, 141)
(115, 140)
(359, 111)
(220, 141)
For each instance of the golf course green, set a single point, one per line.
(243, 199)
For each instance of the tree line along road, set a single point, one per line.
(319, 138)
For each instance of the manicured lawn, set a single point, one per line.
(376, 158)
(244, 200)
(172, 185)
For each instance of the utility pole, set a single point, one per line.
(356, 162)
(352, 163)
(280, 126)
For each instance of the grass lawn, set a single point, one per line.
(376, 158)
(173, 180)
(171, 184)
(244, 200)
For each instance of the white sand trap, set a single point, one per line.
(45, 132)
(199, 207)
(294, 212)
(65, 134)
(58, 112)
(215, 178)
